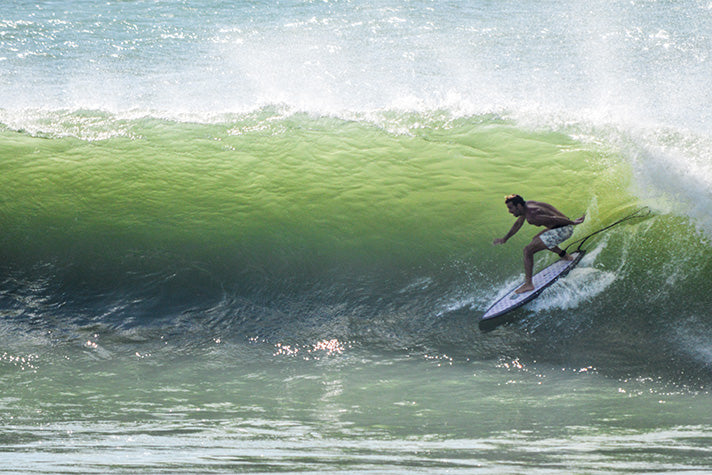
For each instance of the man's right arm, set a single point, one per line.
(516, 227)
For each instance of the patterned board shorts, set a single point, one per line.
(556, 236)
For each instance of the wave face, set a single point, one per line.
(299, 228)
(334, 170)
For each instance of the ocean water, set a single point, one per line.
(257, 236)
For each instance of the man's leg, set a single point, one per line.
(529, 250)
(566, 257)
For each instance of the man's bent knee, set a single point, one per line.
(535, 246)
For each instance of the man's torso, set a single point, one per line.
(538, 215)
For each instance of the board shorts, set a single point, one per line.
(554, 237)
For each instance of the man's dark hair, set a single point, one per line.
(516, 200)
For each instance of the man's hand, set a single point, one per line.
(499, 241)
(580, 220)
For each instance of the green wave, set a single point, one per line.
(371, 230)
(262, 184)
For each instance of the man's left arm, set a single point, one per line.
(556, 218)
(559, 221)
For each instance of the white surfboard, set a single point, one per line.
(541, 280)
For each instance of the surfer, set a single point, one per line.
(559, 228)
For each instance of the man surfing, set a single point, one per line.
(559, 228)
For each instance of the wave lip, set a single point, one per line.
(621, 64)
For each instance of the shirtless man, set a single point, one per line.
(559, 228)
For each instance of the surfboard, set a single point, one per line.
(541, 280)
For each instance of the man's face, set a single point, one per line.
(516, 210)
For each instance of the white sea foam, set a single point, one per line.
(603, 61)
(580, 285)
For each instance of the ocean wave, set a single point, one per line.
(299, 229)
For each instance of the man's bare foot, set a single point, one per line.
(524, 288)
(568, 257)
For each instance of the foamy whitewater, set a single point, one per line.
(257, 236)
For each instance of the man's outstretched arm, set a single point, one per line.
(516, 227)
